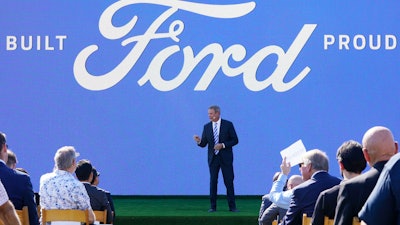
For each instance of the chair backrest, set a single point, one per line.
(306, 219)
(49, 215)
(356, 221)
(101, 216)
(328, 221)
(23, 215)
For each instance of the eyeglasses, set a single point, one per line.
(303, 165)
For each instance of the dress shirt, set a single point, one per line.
(61, 190)
(277, 195)
(3, 194)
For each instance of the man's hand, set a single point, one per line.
(285, 167)
(218, 146)
(196, 138)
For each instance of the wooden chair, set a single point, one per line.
(49, 215)
(356, 221)
(306, 219)
(101, 216)
(328, 221)
(23, 215)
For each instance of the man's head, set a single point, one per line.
(65, 159)
(12, 159)
(95, 180)
(84, 170)
(214, 113)
(293, 181)
(313, 161)
(3, 147)
(378, 145)
(351, 159)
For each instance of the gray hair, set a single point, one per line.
(215, 108)
(318, 159)
(64, 157)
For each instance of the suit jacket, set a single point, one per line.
(98, 200)
(354, 192)
(325, 205)
(19, 189)
(227, 135)
(305, 195)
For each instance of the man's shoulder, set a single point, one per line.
(313, 183)
(103, 190)
(15, 174)
(226, 121)
(362, 179)
(93, 189)
(333, 191)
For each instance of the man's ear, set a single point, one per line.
(366, 155)
(341, 165)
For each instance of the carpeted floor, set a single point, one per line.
(188, 210)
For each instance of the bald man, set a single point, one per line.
(378, 147)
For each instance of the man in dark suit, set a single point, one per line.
(351, 163)
(314, 170)
(378, 147)
(220, 136)
(98, 199)
(17, 184)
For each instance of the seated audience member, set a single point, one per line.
(268, 210)
(351, 163)
(278, 195)
(95, 182)
(378, 147)
(12, 159)
(7, 211)
(22, 170)
(17, 184)
(265, 202)
(383, 205)
(314, 170)
(60, 189)
(98, 199)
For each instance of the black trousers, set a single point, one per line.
(228, 175)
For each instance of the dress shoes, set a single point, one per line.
(234, 210)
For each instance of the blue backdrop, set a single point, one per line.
(128, 83)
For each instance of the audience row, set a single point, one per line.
(373, 196)
(59, 189)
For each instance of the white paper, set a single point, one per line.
(294, 153)
(65, 223)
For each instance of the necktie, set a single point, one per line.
(216, 137)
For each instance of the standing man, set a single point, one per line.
(220, 136)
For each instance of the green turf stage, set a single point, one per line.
(184, 210)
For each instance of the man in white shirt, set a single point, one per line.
(7, 211)
(277, 195)
(60, 189)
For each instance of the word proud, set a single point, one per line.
(220, 57)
